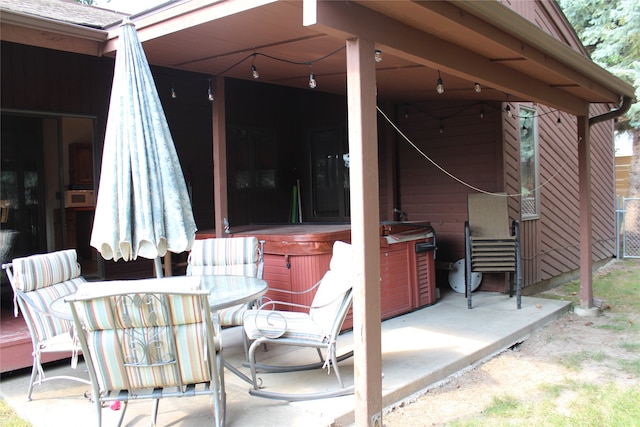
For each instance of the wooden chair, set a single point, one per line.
(317, 328)
(491, 246)
(37, 281)
(149, 340)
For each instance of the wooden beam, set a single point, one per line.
(365, 219)
(52, 39)
(183, 16)
(220, 202)
(521, 37)
(347, 19)
(584, 185)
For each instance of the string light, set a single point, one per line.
(254, 70)
(439, 85)
(507, 109)
(378, 56)
(482, 113)
(477, 87)
(210, 92)
(173, 91)
(559, 120)
(312, 81)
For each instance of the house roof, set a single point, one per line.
(465, 41)
(69, 11)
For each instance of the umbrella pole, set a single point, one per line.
(158, 266)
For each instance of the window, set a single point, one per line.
(530, 202)
(253, 158)
(330, 174)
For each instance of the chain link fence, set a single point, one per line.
(628, 218)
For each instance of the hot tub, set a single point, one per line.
(296, 256)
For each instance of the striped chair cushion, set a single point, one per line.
(37, 302)
(139, 329)
(39, 271)
(223, 270)
(282, 324)
(232, 316)
(234, 256)
(136, 344)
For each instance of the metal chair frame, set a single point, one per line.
(338, 307)
(150, 347)
(209, 267)
(490, 245)
(34, 308)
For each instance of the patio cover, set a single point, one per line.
(143, 207)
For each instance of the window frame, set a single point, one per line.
(528, 134)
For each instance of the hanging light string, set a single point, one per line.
(464, 109)
(455, 178)
(275, 58)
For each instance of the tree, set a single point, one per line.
(610, 31)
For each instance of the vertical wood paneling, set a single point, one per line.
(395, 295)
(467, 148)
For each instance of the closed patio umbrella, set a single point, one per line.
(143, 207)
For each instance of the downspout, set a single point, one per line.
(624, 107)
(586, 250)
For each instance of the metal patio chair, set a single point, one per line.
(491, 246)
(232, 256)
(149, 340)
(37, 281)
(318, 327)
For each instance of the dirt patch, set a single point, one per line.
(572, 348)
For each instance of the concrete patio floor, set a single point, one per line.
(419, 350)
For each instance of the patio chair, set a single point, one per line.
(318, 327)
(233, 256)
(37, 281)
(149, 340)
(491, 246)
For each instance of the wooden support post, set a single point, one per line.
(365, 219)
(221, 207)
(584, 176)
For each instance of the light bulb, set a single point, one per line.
(312, 81)
(559, 120)
(439, 85)
(477, 87)
(254, 72)
(378, 56)
(173, 93)
(482, 113)
(508, 110)
(210, 94)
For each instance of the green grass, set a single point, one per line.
(632, 347)
(8, 417)
(619, 289)
(580, 404)
(575, 361)
(586, 405)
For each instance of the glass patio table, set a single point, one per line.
(225, 291)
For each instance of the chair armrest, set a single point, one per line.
(286, 291)
(272, 303)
